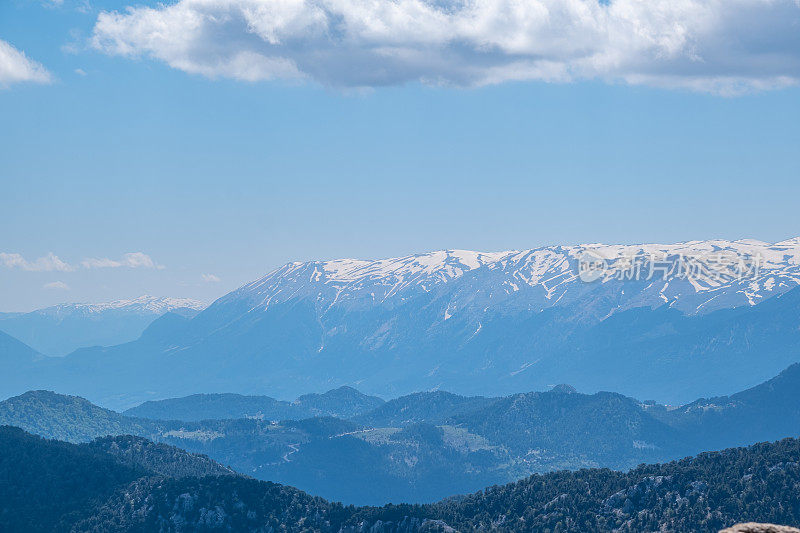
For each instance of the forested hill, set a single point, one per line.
(128, 484)
(427, 446)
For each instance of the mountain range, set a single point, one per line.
(131, 484)
(61, 329)
(426, 446)
(664, 322)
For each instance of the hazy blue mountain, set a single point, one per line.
(344, 402)
(61, 329)
(472, 323)
(57, 486)
(768, 411)
(215, 406)
(14, 352)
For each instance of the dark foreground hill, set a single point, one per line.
(130, 484)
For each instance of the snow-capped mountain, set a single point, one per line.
(694, 277)
(61, 329)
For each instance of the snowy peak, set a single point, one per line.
(148, 305)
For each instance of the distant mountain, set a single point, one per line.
(61, 329)
(665, 322)
(20, 365)
(14, 351)
(54, 486)
(344, 402)
(215, 407)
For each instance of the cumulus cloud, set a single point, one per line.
(47, 263)
(130, 260)
(16, 67)
(720, 46)
(210, 278)
(56, 285)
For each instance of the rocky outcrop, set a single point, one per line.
(753, 527)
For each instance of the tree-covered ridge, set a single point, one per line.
(68, 418)
(704, 493)
(56, 486)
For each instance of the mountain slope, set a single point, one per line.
(159, 459)
(703, 493)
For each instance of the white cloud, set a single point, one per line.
(210, 278)
(51, 262)
(56, 285)
(720, 46)
(139, 260)
(15, 67)
(130, 260)
(47, 263)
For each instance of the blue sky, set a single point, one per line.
(211, 174)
